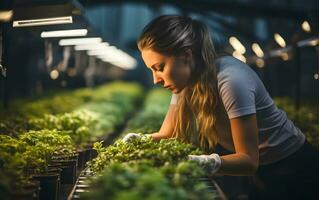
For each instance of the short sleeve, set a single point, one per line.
(174, 99)
(238, 97)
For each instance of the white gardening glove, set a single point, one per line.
(131, 136)
(211, 163)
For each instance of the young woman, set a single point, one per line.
(220, 100)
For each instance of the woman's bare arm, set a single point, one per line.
(245, 136)
(166, 130)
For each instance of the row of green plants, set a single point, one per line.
(31, 141)
(29, 154)
(150, 118)
(66, 101)
(144, 168)
(106, 107)
(140, 180)
(306, 118)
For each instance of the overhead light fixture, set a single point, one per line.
(64, 33)
(54, 74)
(237, 45)
(239, 56)
(114, 56)
(284, 56)
(314, 41)
(106, 50)
(87, 47)
(306, 26)
(280, 40)
(124, 64)
(258, 51)
(6, 15)
(279, 52)
(79, 41)
(260, 63)
(43, 21)
(26, 13)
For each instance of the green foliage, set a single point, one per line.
(78, 124)
(306, 118)
(157, 153)
(67, 101)
(144, 168)
(41, 146)
(153, 112)
(140, 180)
(55, 124)
(13, 126)
(12, 161)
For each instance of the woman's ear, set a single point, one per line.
(188, 54)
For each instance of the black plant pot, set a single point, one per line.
(93, 153)
(69, 170)
(74, 156)
(49, 185)
(29, 191)
(56, 169)
(82, 158)
(25, 194)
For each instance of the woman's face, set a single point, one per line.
(172, 72)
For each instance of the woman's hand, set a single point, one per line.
(211, 163)
(131, 136)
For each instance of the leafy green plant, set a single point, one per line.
(306, 118)
(12, 165)
(141, 180)
(11, 160)
(158, 153)
(77, 124)
(150, 119)
(42, 145)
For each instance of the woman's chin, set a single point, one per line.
(175, 90)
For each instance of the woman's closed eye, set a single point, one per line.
(160, 67)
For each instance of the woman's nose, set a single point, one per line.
(157, 79)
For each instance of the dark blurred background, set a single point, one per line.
(33, 65)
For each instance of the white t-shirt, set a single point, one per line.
(243, 93)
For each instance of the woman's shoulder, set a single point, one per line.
(224, 62)
(235, 73)
(228, 66)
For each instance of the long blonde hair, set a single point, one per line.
(198, 104)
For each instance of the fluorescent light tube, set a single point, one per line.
(306, 26)
(80, 41)
(104, 51)
(119, 58)
(64, 33)
(280, 40)
(258, 51)
(237, 45)
(309, 42)
(114, 56)
(43, 21)
(87, 47)
(239, 56)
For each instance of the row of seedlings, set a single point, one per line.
(144, 168)
(44, 151)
